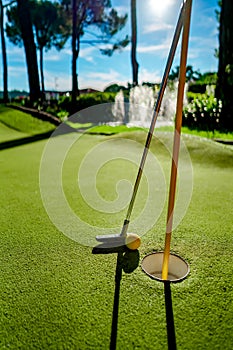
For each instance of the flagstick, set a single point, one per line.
(176, 143)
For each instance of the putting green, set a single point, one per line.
(55, 294)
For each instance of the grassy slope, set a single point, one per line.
(7, 133)
(56, 295)
(21, 122)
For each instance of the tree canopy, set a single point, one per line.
(43, 24)
(50, 26)
(191, 74)
(101, 22)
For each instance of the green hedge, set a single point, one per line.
(86, 100)
(92, 99)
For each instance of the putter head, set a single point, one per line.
(117, 239)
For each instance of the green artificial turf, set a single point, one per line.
(8, 134)
(56, 294)
(102, 129)
(108, 129)
(202, 133)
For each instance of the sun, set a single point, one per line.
(159, 7)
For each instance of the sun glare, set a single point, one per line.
(160, 7)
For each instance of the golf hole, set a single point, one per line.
(178, 268)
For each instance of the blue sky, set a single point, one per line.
(156, 21)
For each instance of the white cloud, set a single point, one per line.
(15, 54)
(122, 10)
(61, 81)
(67, 51)
(112, 74)
(52, 58)
(99, 80)
(151, 76)
(155, 27)
(94, 84)
(95, 80)
(17, 78)
(86, 53)
(147, 49)
(201, 46)
(16, 71)
(153, 48)
(206, 42)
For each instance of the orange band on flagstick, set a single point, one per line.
(176, 143)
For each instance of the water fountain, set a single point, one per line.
(138, 111)
(141, 103)
(118, 109)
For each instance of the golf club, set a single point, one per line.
(119, 239)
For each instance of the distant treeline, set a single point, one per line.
(15, 93)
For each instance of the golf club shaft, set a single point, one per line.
(154, 117)
(176, 143)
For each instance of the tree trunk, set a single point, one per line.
(134, 42)
(224, 88)
(74, 53)
(30, 49)
(42, 71)
(4, 57)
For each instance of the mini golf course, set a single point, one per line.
(57, 294)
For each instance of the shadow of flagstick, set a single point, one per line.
(171, 336)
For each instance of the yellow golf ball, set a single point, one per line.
(132, 241)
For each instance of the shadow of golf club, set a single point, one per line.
(171, 336)
(127, 261)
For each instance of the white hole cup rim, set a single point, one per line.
(178, 268)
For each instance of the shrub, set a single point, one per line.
(192, 96)
(64, 102)
(208, 78)
(92, 99)
(203, 112)
(205, 80)
(197, 88)
(115, 88)
(63, 115)
(84, 101)
(22, 100)
(101, 115)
